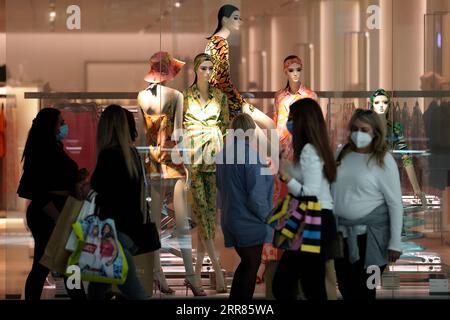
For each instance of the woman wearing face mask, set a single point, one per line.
(205, 119)
(49, 176)
(310, 175)
(284, 98)
(368, 205)
(380, 102)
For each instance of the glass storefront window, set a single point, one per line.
(81, 56)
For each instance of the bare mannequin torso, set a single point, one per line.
(163, 113)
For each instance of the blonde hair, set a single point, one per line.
(243, 121)
(379, 145)
(113, 131)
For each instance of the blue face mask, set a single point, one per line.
(290, 126)
(63, 132)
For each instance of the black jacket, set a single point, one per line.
(48, 168)
(119, 196)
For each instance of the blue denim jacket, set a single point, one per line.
(245, 197)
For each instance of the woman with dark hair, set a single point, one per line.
(49, 177)
(229, 20)
(368, 205)
(310, 174)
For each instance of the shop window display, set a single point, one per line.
(248, 45)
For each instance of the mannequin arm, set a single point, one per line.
(415, 184)
(178, 121)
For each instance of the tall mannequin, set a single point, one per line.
(380, 103)
(205, 122)
(163, 112)
(293, 91)
(229, 21)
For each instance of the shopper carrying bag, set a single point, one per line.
(308, 180)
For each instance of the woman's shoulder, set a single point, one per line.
(309, 154)
(110, 152)
(389, 160)
(309, 150)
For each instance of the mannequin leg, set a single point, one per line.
(200, 257)
(183, 233)
(204, 192)
(220, 281)
(157, 194)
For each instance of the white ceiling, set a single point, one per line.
(136, 15)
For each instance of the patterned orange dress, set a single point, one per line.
(219, 51)
(159, 132)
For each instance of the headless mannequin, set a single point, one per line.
(154, 101)
(229, 24)
(207, 245)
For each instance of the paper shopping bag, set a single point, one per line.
(55, 256)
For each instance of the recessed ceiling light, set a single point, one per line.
(177, 4)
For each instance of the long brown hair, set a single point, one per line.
(379, 144)
(113, 131)
(310, 127)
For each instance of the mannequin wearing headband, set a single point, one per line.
(163, 113)
(294, 90)
(205, 120)
(228, 21)
(380, 102)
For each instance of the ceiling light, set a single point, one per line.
(177, 4)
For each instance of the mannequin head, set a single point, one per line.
(292, 66)
(228, 17)
(203, 67)
(380, 101)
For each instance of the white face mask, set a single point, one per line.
(361, 139)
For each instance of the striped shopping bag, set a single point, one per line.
(297, 222)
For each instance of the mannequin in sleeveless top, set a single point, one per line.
(163, 112)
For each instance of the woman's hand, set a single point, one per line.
(283, 172)
(82, 190)
(394, 255)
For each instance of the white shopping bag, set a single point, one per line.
(87, 209)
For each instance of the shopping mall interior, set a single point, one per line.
(81, 55)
